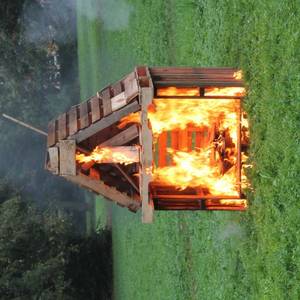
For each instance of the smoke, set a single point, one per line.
(112, 14)
(232, 231)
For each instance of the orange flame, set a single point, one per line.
(122, 155)
(196, 168)
(226, 91)
(178, 91)
(192, 169)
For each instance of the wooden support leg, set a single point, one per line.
(146, 156)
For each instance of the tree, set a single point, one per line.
(42, 258)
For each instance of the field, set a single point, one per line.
(217, 255)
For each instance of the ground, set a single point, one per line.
(215, 255)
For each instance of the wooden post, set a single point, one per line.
(146, 153)
(67, 162)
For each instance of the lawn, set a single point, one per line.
(216, 255)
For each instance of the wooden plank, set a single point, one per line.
(73, 124)
(84, 115)
(52, 164)
(162, 149)
(95, 109)
(123, 137)
(62, 126)
(131, 87)
(106, 103)
(118, 101)
(117, 88)
(106, 122)
(67, 161)
(198, 141)
(51, 139)
(190, 141)
(183, 140)
(146, 157)
(99, 187)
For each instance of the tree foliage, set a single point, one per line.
(41, 259)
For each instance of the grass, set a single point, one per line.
(216, 255)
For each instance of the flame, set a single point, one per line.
(178, 91)
(238, 75)
(122, 155)
(170, 114)
(196, 168)
(234, 202)
(192, 169)
(226, 91)
(131, 118)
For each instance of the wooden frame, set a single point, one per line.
(83, 124)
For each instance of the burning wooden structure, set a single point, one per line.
(159, 139)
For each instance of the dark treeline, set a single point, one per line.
(44, 252)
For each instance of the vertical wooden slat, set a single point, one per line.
(84, 115)
(162, 149)
(106, 103)
(183, 140)
(62, 126)
(130, 87)
(174, 139)
(51, 139)
(146, 157)
(190, 140)
(73, 124)
(67, 160)
(117, 88)
(198, 142)
(95, 109)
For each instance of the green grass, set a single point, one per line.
(216, 255)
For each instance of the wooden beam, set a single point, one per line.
(127, 177)
(111, 193)
(123, 137)
(105, 122)
(52, 164)
(146, 97)
(67, 160)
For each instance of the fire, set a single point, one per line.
(226, 91)
(238, 75)
(173, 114)
(192, 169)
(122, 155)
(178, 91)
(212, 167)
